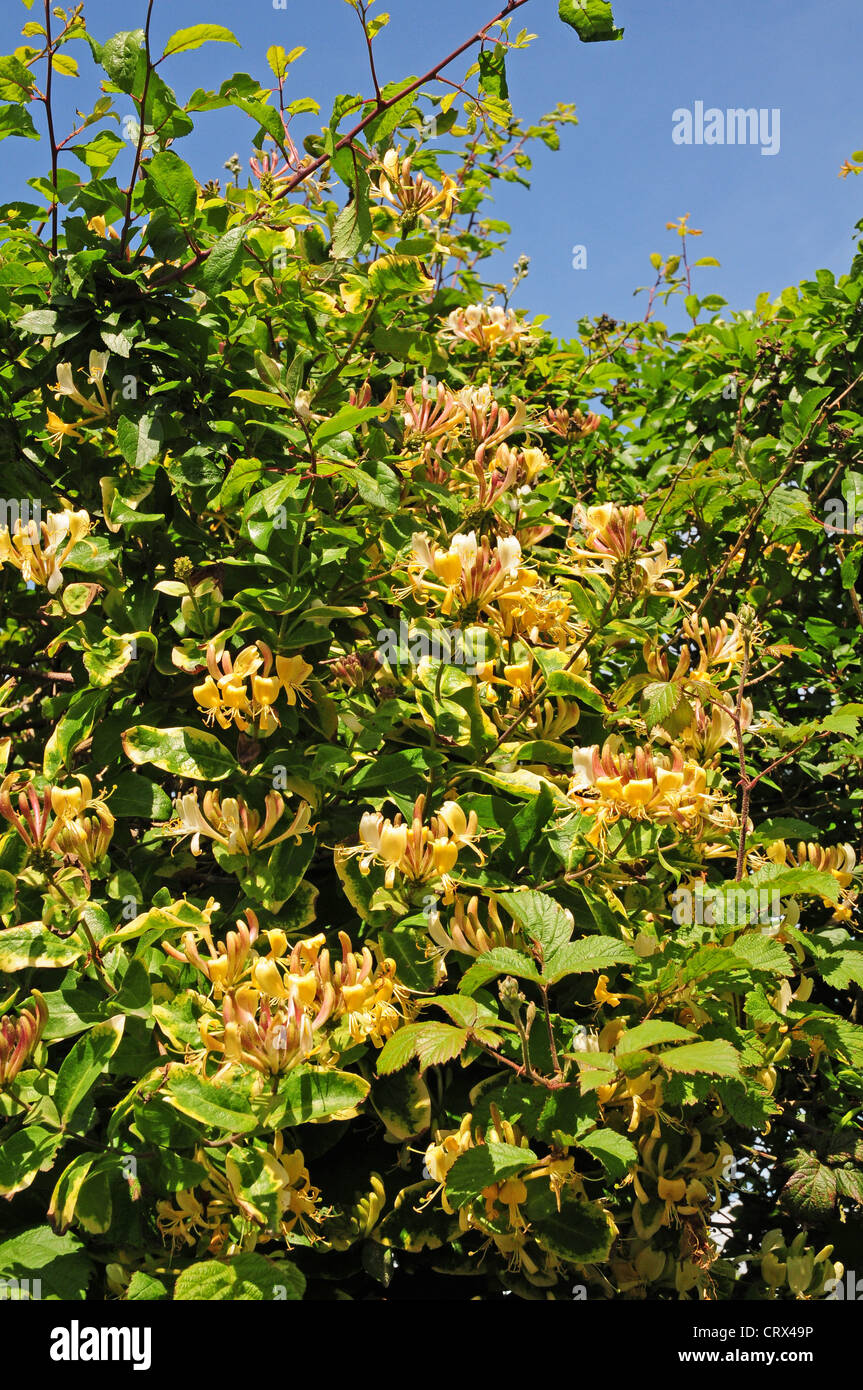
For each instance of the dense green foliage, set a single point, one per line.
(431, 749)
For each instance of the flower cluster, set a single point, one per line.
(221, 1213)
(412, 195)
(70, 823)
(229, 822)
(837, 860)
(274, 1006)
(97, 411)
(242, 692)
(609, 784)
(39, 550)
(489, 327)
(612, 546)
(469, 576)
(498, 1214)
(417, 853)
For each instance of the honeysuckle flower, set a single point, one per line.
(72, 823)
(232, 824)
(228, 962)
(412, 195)
(275, 1006)
(465, 931)
(293, 671)
(469, 576)
(572, 426)
(612, 784)
(242, 691)
(489, 423)
(19, 1036)
(86, 836)
(642, 1095)
(839, 861)
(433, 416)
(488, 326)
(707, 734)
(39, 551)
(268, 1037)
(186, 1216)
(717, 646)
(419, 852)
(611, 545)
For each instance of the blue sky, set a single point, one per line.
(619, 176)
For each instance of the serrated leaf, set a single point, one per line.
(589, 953)
(716, 1058)
(614, 1151)
(481, 1166)
(431, 1043)
(540, 918)
(241, 1278)
(501, 960)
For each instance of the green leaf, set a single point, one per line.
(32, 946)
(581, 1231)
(16, 80)
(198, 34)
(26, 1154)
(86, 1061)
(431, 1043)
(345, 421)
(540, 918)
(395, 275)
(501, 960)
(614, 1151)
(492, 74)
(186, 752)
(403, 1103)
(810, 1192)
(353, 226)
(589, 953)
(16, 120)
(224, 260)
(762, 953)
(134, 795)
(60, 1263)
(717, 1058)
(241, 1278)
(309, 1094)
(481, 1166)
(121, 56)
(592, 20)
(144, 1288)
(650, 1034)
(173, 182)
(218, 1107)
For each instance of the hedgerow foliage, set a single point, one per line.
(429, 801)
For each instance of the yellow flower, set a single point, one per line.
(602, 995)
(39, 550)
(293, 671)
